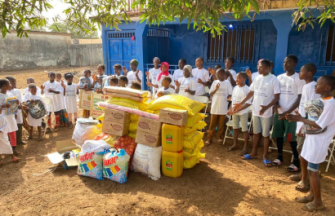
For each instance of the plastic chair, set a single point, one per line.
(48, 102)
(331, 155)
(229, 129)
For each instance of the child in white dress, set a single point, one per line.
(186, 85)
(5, 146)
(71, 91)
(33, 97)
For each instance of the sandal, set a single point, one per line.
(231, 148)
(243, 152)
(247, 157)
(267, 163)
(276, 162)
(303, 199)
(207, 143)
(302, 187)
(15, 159)
(310, 207)
(293, 168)
(295, 178)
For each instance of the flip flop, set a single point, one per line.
(302, 199)
(293, 168)
(207, 143)
(15, 160)
(243, 152)
(267, 163)
(276, 162)
(247, 157)
(310, 207)
(302, 187)
(295, 178)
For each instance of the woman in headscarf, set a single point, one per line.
(134, 75)
(164, 72)
(186, 85)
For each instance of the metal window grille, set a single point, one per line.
(121, 34)
(158, 33)
(330, 52)
(240, 42)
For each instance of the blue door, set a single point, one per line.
(121, 49)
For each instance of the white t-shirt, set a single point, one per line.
(186, 83)
(159, 82)
(264, 88)
(57, 99)
(290, 88)
(161, 89)
(239, 93)
(17, 93)
(254, 75)
(233, 73)
(153, 73)
(315, 149)
(38, 91)
(177, 74)
(131, 75)
(204, 76)
(219, 99)
(308, 94)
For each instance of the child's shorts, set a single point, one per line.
(300, 142)
(261, 125)
(313, 167)
(240, 121)
(284, 128)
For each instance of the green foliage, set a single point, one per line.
(303, 17)
(75, 31)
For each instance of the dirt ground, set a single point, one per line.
(222, 184)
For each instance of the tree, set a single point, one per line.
(76, 31)
(205, 14)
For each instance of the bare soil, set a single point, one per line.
(221, 184)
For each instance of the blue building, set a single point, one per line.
(271, 35)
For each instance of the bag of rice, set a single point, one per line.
(195, 119)
(147, 160)
(190, 162)
(115, 165)
(176, 102)
(200, 125)
(134, 98)
(127, 103)
(191, 140)
(197, 149)
(126, 91)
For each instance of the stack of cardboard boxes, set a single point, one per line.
(116, 122)
(148, 132)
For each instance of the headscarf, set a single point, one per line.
(134, 61)
(189, 68)
(163, 73)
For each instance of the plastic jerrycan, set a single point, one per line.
(172, 163)
(172, 138)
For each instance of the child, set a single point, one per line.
(186, 85)
(290, 95)
(179, 73)
(229, 63)
(5, 146)
(117, 70)
(19, 118)
(70, 93)
(220, 91)
(316, 146)
(99, 79)
(252, 76)
(307, 73)
(52, 90)
(26, 91)
(134, 74)
(32, 97)
(240, 116)
(136, 85)
(86, 84)
(153, 73)
(201, 76)
(113, 81)
(63, 120)
(164, 72)
(165, 89)
(265, 90)
(212, 75)
(59, 78)
(123, 81)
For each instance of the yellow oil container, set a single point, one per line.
(172, 138)
(172, 163)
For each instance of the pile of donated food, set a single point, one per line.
(135, 135)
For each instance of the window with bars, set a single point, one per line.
(330, 51)
(158, 33)
(121, 34)
(239, 42)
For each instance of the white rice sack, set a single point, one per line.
(147, 160)
(83, 132)
(95, 146)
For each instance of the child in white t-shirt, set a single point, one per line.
(201, 76)
(229, 63)
(165, 89)
(240, 116)
(5, 146)
(71, 91)
(315, 148)
(153, 73)
(220, 91)
(265, 91)
(179, 73)
(134, 74)
(186, 85)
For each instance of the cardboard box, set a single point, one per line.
(64, 146)
(149, 126)
(116, 116)
(114, 128)
(148, 139)
(173, 116)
